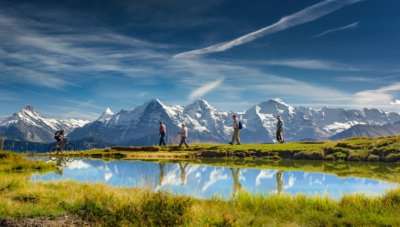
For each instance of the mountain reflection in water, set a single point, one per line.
(206, 181)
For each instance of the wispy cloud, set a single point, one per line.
(240, 79)
(380, 97)
(306, 15)
(346, 27)
(32, 55)
(204, 89)
(395, 102)
(311, 64)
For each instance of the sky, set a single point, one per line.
(73, 59)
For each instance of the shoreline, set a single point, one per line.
(381, 149)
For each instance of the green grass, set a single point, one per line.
(381, 149)
(102, 205)
(11, 162)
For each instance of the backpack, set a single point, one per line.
(240, 125)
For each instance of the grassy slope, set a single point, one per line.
(385, 149)
(109, 206)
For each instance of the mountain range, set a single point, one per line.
(369, 131)
(139, 126)
(29, 125)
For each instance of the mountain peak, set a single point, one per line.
(276, 106)
(278, 101)
(106, 115)
(155, 101)
(108, 111)
(202, 103)
(28, 108)
(199, 105)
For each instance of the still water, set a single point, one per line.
(206, 181)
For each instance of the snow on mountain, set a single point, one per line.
(363, 130)
(30, 125)
(337, 127)
(206, 121)
(106, 115)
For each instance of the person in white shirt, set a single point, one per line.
(184, 134)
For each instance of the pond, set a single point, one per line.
(208, 180)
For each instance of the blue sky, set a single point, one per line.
(75, 58)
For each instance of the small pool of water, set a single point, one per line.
(206, 181)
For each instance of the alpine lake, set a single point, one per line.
(224, 179)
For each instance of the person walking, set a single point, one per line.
(237, 126)
(1, 143)
(279, 130)
(163, 133)
(184, 134)
(60, 140)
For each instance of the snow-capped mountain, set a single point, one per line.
(137, 126)
(369, 131)
(106, 115)
(206, 124)
(30, 125)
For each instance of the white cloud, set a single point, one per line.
(380, 97)
(290, 183)
(306, 15)
(395, 102)
(108, 176)
(264, 174)
(346, 27)
(205, 88)
(216, 175)
(77, 164)
(311, 64)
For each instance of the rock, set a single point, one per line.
(308, 155)
(394, 157)
(373, 158)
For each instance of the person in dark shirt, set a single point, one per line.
(60, 140)
(163, 133)
(279, 130)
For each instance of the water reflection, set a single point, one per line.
(205, 181)
(237, 186)
(279, 181)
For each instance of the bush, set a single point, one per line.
(392, 157)
(163, 210)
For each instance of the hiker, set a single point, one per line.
(1, 144)
(60, 140)
(184, 134)
(279, 130)
(237, 126)
(163, 132)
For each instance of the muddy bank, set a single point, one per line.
(65, 221)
